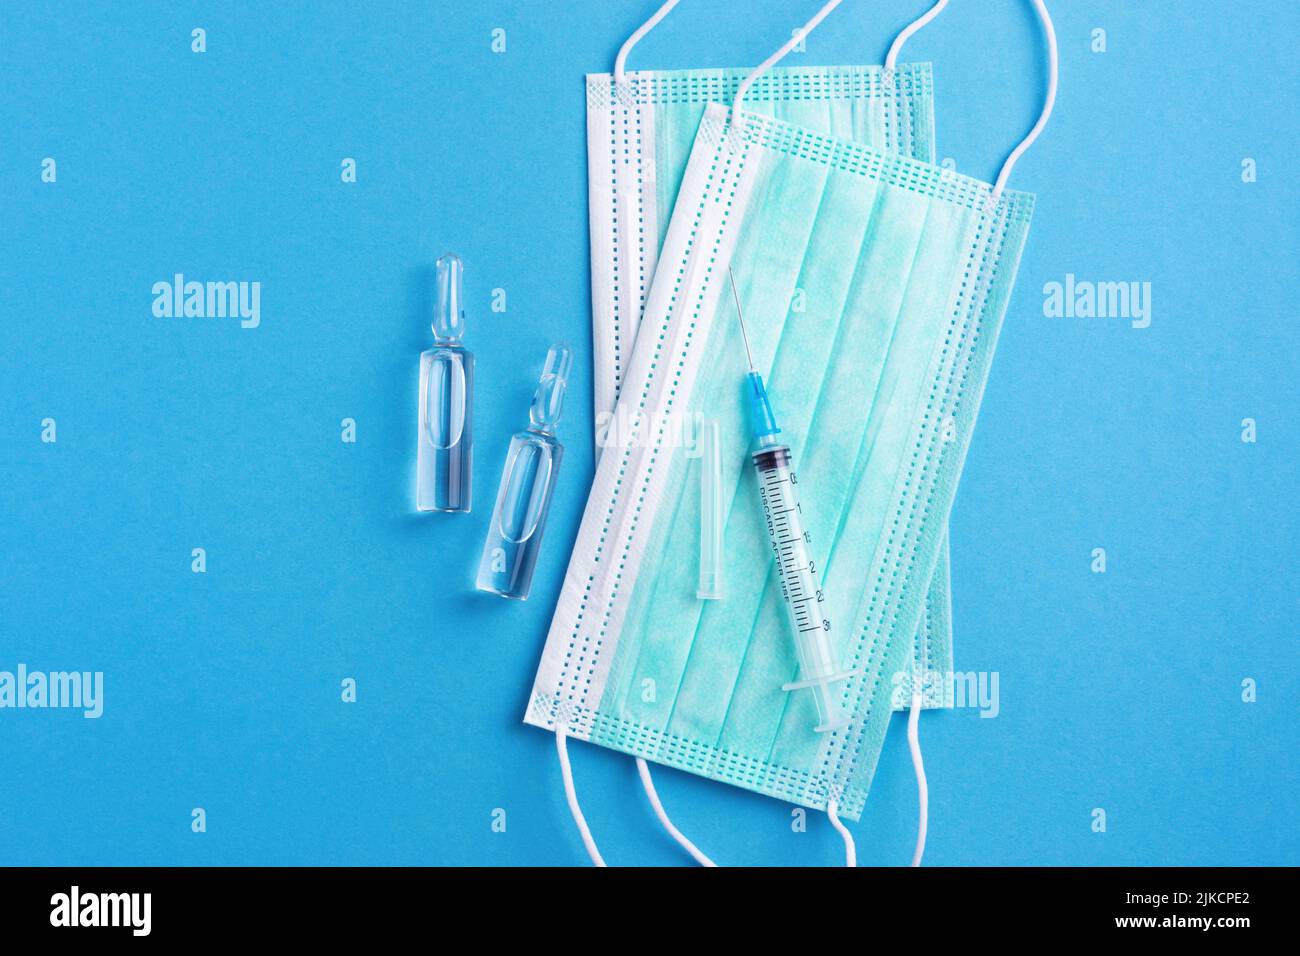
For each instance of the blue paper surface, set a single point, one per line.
(1119, 691)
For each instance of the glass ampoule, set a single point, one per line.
(446, 402)
(514, 536)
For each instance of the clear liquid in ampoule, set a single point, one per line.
(445, 443)
(514, 537)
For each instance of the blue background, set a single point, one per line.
(1119, 690)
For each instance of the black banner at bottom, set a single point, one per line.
(366, 905)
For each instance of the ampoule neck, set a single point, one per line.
(449, 311)
(548, 400)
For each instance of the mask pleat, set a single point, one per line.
(643, 680)
(916, 326)
(855, 576)
(883, 265)
(804, 374)
(903, 118)
(673, 615)
(768, 289)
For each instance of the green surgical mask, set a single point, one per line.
(640, 129)
(907, 269)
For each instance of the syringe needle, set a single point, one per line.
(741, 316)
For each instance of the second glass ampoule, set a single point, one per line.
(514, 536)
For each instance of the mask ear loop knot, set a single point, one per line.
(620, 62)
(850, 848)
(897, 46)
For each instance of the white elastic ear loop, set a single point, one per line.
(922, 794)
(922, 790)
(1048, 103)
(621, 61)
(897, 46)
(850, 849)
(776, 57)
(644, 770)
(566, 772)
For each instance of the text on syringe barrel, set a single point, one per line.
(800, 587)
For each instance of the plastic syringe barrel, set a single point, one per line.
(800, 586)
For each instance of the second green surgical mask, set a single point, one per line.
(639, 137)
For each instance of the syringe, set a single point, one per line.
(801, 591)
